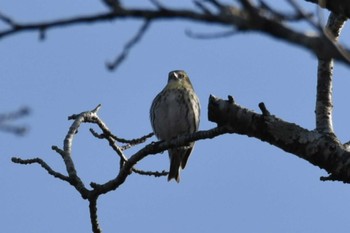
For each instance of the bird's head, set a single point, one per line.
(179, 78)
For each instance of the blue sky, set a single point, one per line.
(231, 183)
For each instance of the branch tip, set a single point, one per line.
(97, 135)
(95, 110)
(230, 99)
(72, 117)
(58, 150)
(263, 109)
(15, 159)
(202, 7)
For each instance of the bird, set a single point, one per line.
(174, 112)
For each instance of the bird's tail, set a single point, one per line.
(175, 165)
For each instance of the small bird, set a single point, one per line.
(174, 112)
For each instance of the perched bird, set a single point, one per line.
(174, 112)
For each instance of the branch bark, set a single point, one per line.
(339, 7)
(93, 214)
(322, 150)
(324, 99)
(243, 19)
(127, 164)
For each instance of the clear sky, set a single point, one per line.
(231, 183)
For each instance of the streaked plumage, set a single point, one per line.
(175, 111)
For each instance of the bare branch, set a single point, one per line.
(93, 215)
(284, 16)
(14, 115)
(132, 142)
(119, 150)
(108, 133)
(67, 152)
(339, 7)
(159, 5)
(324, 99)
(5, 118)
(113, 5)
(127, 165)
(150, 173)
(7, 20)
(155, 148)
(17, 130)
(264, 110)
(212, 35)
(304, 15)
(133, 41)
(320, 149)
(112, 143)
(43, 165)
(202, 7)
(241, 19)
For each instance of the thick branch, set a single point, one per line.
(324, 100)
(340, 7)
(322, 150)
(229, 16)
(93, 215)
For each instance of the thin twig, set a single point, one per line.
(150, 173)
(113, 5)
(132, 42)
(159, 5)
(135, 141)
(283, 16)
(305, 15)
(202, 7)
(7, 20)
(12, 116)
(211, 35)
(154, 148)
(43, 165)
(15, 115)
(17, 130)
(237, 18)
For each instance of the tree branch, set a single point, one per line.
(127, 165)
(5, 118)
(150, 173)
(155, 148)
(93, 214)
(242, 19)
(339, 7)
(133, 41)
(324, 100)
(322, 150)
(43, 165)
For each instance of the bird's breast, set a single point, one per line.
(174, 115)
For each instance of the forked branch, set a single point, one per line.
(248, 17)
